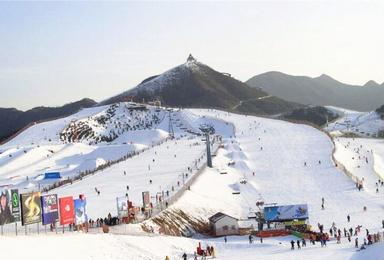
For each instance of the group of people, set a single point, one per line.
(109, 221)
(300, 243)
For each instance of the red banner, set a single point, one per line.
(67, 211)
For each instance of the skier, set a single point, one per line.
(292, 245)
(184, 256)
(304, 244)
(225, 239)
(250, 239)
(298, 244)
(349, 218)
(356, 242)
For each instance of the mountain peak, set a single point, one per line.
(371, 83)
(191, 58)
(325, 76)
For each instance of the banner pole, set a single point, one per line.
(16, 228)
(2, 231)
(25, 229)
(38, 231)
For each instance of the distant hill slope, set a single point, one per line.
(12, 120)
(194, 84)
(323, 91)
(353, 123)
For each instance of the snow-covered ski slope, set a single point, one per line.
(277, 151)
(129, 128)
(364, 124)
(364, 158)
(274, 150)
(105, 246)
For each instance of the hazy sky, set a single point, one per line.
(53, 53)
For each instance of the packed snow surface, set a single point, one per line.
(364, 124)
(263, 160)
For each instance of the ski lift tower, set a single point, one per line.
(170, 126)
(208, 130)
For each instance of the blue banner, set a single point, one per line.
(50, 207)
(52, 175)
(287, 212)
(80, 213)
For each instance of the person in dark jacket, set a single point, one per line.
(5, 211)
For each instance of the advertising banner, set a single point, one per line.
(287, 212)
(80, 213)
(122, 206)
(52, 175)
(67, 211)
(9, 206)
(30, 208)
(146, 199)
(294, 223)
(50, 207)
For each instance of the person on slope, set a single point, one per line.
(250, 239)
(292, 245)
(349, 218)
(356, 242)
(184, 256)
(298, 244)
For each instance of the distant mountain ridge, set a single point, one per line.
(194, 84)
(12, 120)
(322, 90)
